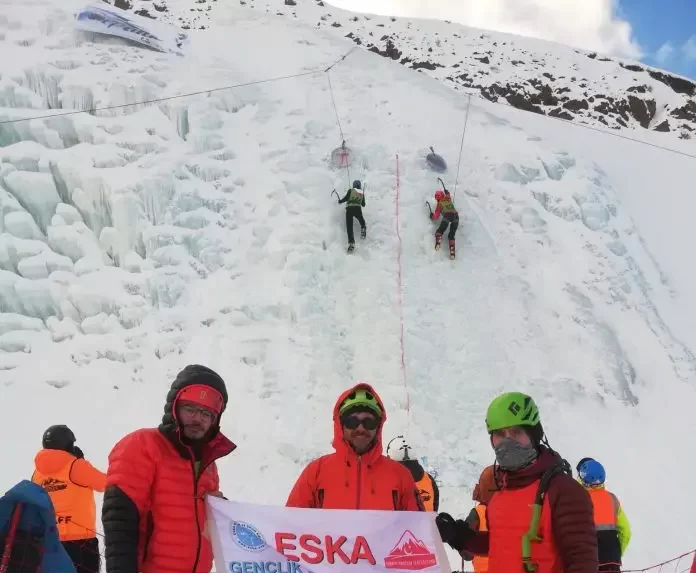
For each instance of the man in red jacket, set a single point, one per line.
(357, 475)
(539, 519)
(152, 522)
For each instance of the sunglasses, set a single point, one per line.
(353, 423)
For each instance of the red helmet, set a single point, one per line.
(439, 195)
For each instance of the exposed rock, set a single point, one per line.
(576, 104)
(642, 110)
(664, 126)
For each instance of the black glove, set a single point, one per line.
(77, 452)
(453, 532)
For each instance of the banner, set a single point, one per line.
(251, 538)
(105, 19)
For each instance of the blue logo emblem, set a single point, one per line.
(247, 536)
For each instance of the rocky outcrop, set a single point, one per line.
(531, 75)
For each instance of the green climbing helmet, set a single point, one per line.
(360, 397)
(511, 409)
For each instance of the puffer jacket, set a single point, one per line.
(344, 480)
(567, 509)
(152, 522)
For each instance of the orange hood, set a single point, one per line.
(339, 443)
(50, 461)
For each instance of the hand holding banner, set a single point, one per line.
(249, 538)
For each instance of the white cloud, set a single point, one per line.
(689, 48)
(586, 24)
(664, 53)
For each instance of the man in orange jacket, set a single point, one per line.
(428, 491)
(483, 492)
(357, 475)
(154, 507)
(70, 482)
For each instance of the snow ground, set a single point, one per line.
(203, 230)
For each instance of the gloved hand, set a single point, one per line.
(77, 452)
(453, 532)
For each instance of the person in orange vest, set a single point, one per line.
(398, 450)
(540, 518)
(483, 492)
(611, 523)
(70, 481)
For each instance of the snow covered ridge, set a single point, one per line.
(533, 75)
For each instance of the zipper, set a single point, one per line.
(357, 491)
(195, 506)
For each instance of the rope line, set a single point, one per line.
(461, 145)
(93, 110)
(400, 294)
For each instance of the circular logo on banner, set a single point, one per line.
(247, 536)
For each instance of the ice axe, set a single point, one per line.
(443, 184)
(429, 209)
(334, 193)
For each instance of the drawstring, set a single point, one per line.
(347, 472)
(372, 479)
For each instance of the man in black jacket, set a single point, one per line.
(355, 196)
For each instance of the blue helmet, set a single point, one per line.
(592, 473)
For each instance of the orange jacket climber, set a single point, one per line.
(477, 519)
(347, 479)
(70, 482)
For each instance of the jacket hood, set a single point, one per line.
(339, 444)
(526, 476)
(51, 461)
(416, 469)
(192, 374)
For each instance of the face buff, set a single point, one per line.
(513, 456)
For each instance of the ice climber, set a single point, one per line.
(355, 197)
(450, 216)
(70, 481)
(356, 475)
(611, 523)
(158, 478)
(483, 492)
(399, 451)
(540, 518)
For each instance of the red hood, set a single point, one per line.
(339, 444)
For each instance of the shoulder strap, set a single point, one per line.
(561, 467)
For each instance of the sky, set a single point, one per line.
(660, 33)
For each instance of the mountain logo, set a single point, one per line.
(247, 536)
(410, 553)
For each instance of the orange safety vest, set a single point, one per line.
(74, 504)
(480, 562)
(605, 506)
(426, 492)
(509, 516)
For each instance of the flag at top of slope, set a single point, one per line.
(410, 553)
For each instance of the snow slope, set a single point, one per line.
(137, 240)
(534, 75)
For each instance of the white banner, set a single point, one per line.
(251, 538)
(105, 19)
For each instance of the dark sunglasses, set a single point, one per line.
(353, 422)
